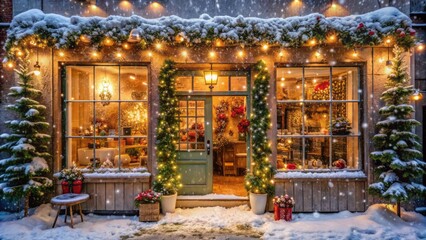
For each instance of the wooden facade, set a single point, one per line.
(325, 195)
(111, 195)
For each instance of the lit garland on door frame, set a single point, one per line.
(259, 180)
(168, 179)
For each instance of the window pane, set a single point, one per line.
(345, 83)
(184, 83)
(238, 83)
(80, 83)
(317, 118)
(345, 118)
(134, 83)
(289, 118)
(106, 119)
(134, 115)
(200, 85)
(80, 119)
(289, 84)
(222, 84)
(106, 83)
(289, 153)
(317, 83)
(345, 152)
(317, 152)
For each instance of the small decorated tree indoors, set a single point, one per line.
(398, 156)
(23, 174)
(259, 180)
(167, 180)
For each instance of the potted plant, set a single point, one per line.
(259, 182)
(148, 203)
(283, 207)
(168, 180)
(72, 180)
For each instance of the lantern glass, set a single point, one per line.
(210, 77)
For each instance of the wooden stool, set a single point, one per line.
(69, 200)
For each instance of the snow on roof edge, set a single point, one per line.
(61, 32)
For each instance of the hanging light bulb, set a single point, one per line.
(134, 36)
(265, 47)
(37, 67)
(416, 95)
(241, 53)
(355, 53)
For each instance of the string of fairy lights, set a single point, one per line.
(240, 52)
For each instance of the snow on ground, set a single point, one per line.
(220, 223)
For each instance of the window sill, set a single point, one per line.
(114, 173)
(344, 174)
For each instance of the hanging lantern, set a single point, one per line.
(416, 95)
(37, 69)
(210, 77)
(134, 36)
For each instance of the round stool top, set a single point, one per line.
(69, 198)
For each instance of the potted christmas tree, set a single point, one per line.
(167, 181)
(398, 155)
(259, 181)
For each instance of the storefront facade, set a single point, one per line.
(103, 101)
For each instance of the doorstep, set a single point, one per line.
(210, 200)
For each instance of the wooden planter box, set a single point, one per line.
(149, 212)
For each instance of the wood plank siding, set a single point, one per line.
(325, 195)
(111, 195)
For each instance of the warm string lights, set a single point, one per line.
(168, 179)
(259, 180)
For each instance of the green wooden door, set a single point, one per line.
(195, 146)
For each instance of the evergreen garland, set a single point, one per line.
(23, 174)
(398, 155)
(260, 179)
(168, 179)
(36, 28)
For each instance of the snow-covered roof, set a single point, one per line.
(352, 31)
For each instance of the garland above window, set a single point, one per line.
(39, 29)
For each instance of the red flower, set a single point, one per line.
(402, 34)
(243, 125)
(360, 25)
(291, 166)
(222, 116)
(412, 32)
(322, 86)
(371, 33)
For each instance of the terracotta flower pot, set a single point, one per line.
(77, 186)
(65, 187)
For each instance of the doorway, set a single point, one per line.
(230, 136)
(213, 132)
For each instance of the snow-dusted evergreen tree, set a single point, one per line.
(397, 156)
(23, 174)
